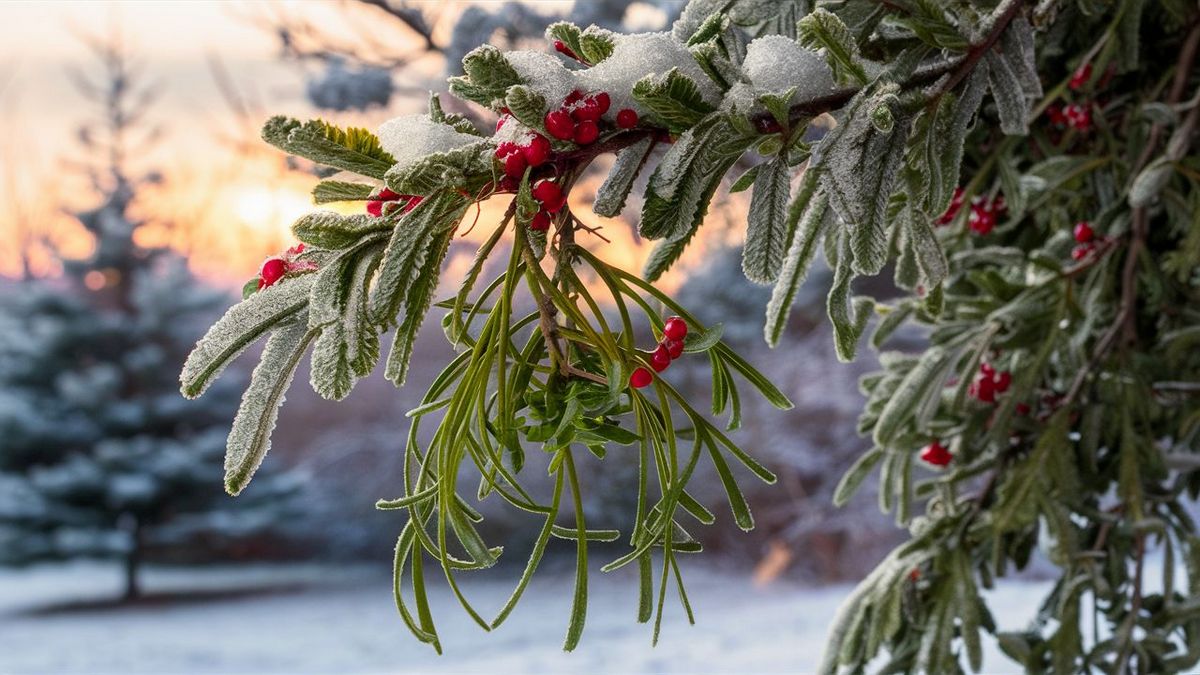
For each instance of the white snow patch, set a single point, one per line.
(775, 63)
(544, 73)
(409, 138)
(636, 56)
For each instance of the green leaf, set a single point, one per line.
(849, 318)
(610, 198)
(681, 186)
(808, 212)
(767, 226)
(250, 437)
(673, 98)
(699, 340)
(822, 29)
(352, 149)
(528, 107)
(418, 297)
(241, 327)
(334, 231)
(341, 191)
(745, 180)
(404, 258)
(860, 166)
(488, 75)
(923, 381)
(855, 475)
(1008, 91)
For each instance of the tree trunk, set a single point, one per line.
(133, 561)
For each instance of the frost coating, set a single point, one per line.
(544, 73)
(636, 56)
(410, 138)
(775, 63)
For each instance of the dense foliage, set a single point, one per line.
(1025, 172)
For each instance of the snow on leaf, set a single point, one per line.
(250, 437)
(673, 98)
(822, 29)
(332, 230)
(241, 326)
(352, 149)
(412, 138)
(610, 198)
(775, 64)
(766, 231)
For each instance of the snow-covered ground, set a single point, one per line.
(327, 619)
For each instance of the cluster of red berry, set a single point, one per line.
(985, 213)
(1077, 116)
(989, 383)
(952, 210)
(578, 118)
(936, 454)
(385, 197)
(274, 268)
(514, 157)
(550, 196)
(1085, 238)
(669, 349)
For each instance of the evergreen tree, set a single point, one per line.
(99, 457)
(1025, 170)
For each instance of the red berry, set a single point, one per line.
(537, 151)
(1080, 252)
(1022, 409)
(540, 222)
(514, 165)
(675, 329)
(936, 454)
(914, 575)
(1078, 117)
(1001, 381)
(549, 195)
(987, 369)
(413, 200)
(626, 118)
(1055, 113)
(375, 204)
(560, 125)
(1084, 232)
(640, 378)
(1081, 76)
(674, 347)
(508, 184)
(660, 359)
(375, 207)
(295, 250)
(601, 100)
(272, 270)
(504, 149)
(981, 221)
(562, 48)
(500, 122)
(586, 133)
(985, 390)
(574, 97)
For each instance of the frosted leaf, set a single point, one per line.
(409, 138)
(241, 326)
(766, 231)
(775, 64)
(808, 212)
(543, 73)
(250, 437)
(636, 56)
(610, 198)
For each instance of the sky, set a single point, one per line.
(228, 200)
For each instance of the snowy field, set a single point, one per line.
(325, 619)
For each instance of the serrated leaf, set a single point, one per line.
(417, 299)
(340, 191)
(849, 317)
(487, 76)
(334, 231)
(860, 166)
(352, 149)
(595, 45)
(402, 260)
(1009, 94)
(250, 436)
(946, 139)
(681, 186)
(611, 197)
(241, 327)
(822, 29)
(527, 106)
(331, 374)
(767, 226)
(807, 216)
(673, 98)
